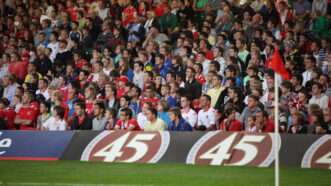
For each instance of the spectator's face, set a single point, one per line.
(123, 116)
(164, 91)
(231, 93)
(41, 84)
(150, 116)
(302, 97)
(26, 99)
(172, 116)
(184, 102)
(215, 81)
(123, 102)
(323, 80)
(316, 90)
(259, 117)
(250, 122)
(189, 73)
(307, 62)
(251, 103)
(78, 110)
(204, 102)
(96, 110)
(5, 81)
(149, 93)
(327, 115)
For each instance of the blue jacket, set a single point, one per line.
(182, 126)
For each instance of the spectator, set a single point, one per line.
(187, 112)
(207, 115)
(318, 97)
(126, 122)
(56, 122)
(154, 123)
(250, 109)
(81, 121)
(231, 123)
(44, 114)
(177, 121)
(99, 120)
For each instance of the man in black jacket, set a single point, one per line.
(81, 121)
(192, 87)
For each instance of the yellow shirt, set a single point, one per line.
(214, 93)
(158, 125)
(28, 78)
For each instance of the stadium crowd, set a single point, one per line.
(179, 65)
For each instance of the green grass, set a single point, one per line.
(70, 172)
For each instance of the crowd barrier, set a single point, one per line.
(201, 148)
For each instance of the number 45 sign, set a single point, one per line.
(127, 147)
(235, 149)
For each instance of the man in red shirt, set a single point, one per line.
(230, 123)
(27, 115)
(266, 124)
(126, 122)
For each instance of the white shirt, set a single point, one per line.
(53, 125)
(55, 48)
(191, 117)
(207, 118)
(306, 77)
(138, 79)
(323, 101)
(45, 93)
(142, 120)
(205, 66)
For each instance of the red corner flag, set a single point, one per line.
(277, 65)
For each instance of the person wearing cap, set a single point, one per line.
(122, 80)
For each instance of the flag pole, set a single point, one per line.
(276, 134)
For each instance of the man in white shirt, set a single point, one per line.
(142, 116)
(309, 62)
(138, 77)
(187, 112)
(43, 88)
(318, 97)
(207, 114)
(53, 45)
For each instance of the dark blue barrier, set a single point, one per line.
(30, 145)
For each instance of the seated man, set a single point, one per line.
(126, 122)
(28, 113)
(154, 123)
(178, 123)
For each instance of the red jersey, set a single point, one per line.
(28, 113)
(132, 122)
(159, 9)
(201, 79)
(19, 69)
(89, 107)
(9, 116)
(80, 63)
(269, 126)
(234, 125)
(128, 15)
